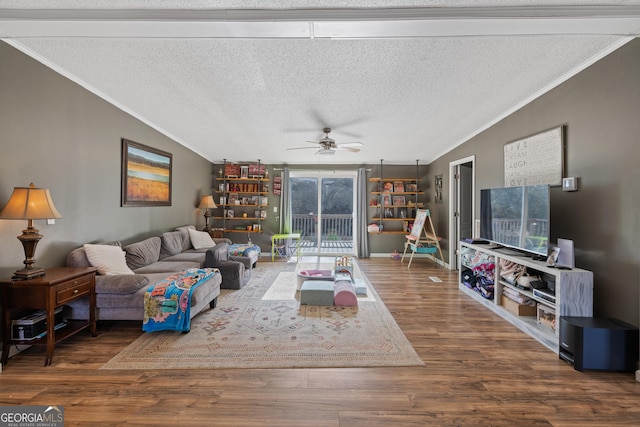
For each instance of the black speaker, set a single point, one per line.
(599, 344)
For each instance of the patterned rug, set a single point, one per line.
(263, 325)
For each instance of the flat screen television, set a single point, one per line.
(516, 217)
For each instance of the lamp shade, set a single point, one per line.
(30, 203)
(206, 202)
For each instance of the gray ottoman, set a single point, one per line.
(250, 256)
(317, 292)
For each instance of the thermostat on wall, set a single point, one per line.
(569, 184)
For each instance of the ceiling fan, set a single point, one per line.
(329, 146)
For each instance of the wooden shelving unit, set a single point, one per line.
(394, 202)
(242, 197)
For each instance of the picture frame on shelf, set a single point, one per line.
(223, 200)
(387, 187)
(398, 187)
(410, 187)
(386, 200)
(257, 227)
(388, 213)
(257, 171)
(231, 170)
(402, 213)
(263, 214)
(230, 213)
(244, 172)
(399, 201)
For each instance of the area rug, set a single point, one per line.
(247, 330)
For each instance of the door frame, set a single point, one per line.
(454, 203)
(320, 174)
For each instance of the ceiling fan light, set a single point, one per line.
(326, 151)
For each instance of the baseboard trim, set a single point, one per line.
(429, 256)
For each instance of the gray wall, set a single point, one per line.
(57, 135)
(600, 108)
(380, 244)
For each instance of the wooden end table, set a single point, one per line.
(57, 287)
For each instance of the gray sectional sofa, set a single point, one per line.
(121, 296)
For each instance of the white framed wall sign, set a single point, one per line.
(536, 159)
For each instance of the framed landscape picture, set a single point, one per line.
(146, 175)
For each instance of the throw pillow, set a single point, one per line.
(187, 241)
(200, 239)
(142, 253)
(174, 242)
(109, 259)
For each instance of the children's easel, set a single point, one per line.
(423, 238)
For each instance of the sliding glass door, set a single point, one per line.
(323, 211)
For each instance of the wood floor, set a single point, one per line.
(479, 371)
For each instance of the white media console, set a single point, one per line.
(573, 292)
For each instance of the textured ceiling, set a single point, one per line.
(408, 90)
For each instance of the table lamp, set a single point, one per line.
(29, 203)
(206, 203)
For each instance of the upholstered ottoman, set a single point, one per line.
(345, 294)
(305, 275)
(317, 292)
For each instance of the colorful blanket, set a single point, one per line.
(167, 303)
(242, 250)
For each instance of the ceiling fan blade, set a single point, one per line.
(351, 149)
(300, 148)
(322, 121)
(351, 144)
